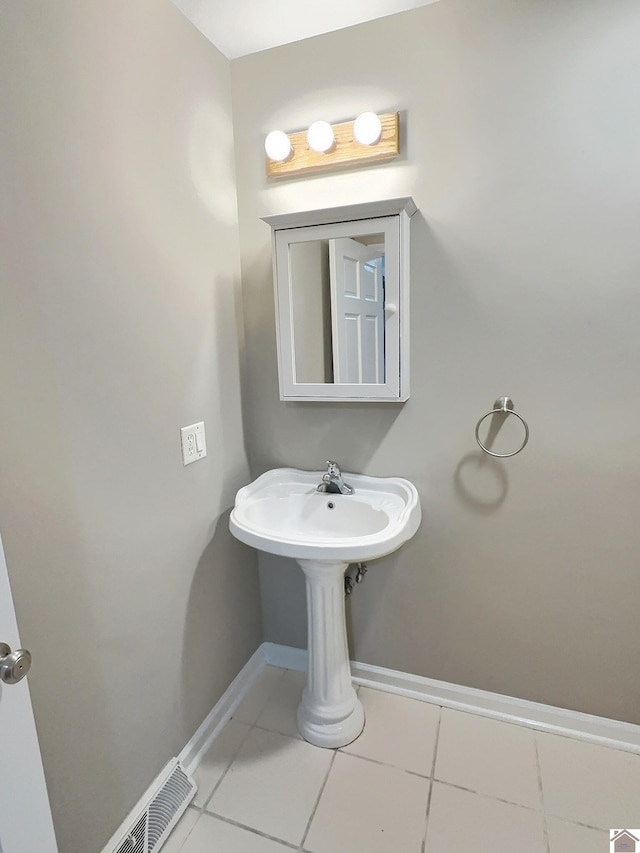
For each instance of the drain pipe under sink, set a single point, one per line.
(351, 578)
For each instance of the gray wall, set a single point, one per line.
(521, 134)
(119, 277)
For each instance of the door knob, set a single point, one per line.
(13, 665)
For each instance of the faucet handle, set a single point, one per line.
(332, 467)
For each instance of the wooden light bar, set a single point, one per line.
(346, 150)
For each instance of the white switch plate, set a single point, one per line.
(194, 445)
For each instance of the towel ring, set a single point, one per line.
(505, 405)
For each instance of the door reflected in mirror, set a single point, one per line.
(338, 309)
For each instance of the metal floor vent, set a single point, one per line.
(170, 795)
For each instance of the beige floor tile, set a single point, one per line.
(180, 831)
(258, 695)
(565, 837)
(588, 783)
(369, 808)
(279, 714)
(218, 758)
(212, 835)
(488, 756)
(398, 731)
(272, 785)
(460, 820)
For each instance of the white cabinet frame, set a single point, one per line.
(391, 218)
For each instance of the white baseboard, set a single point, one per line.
(545, 718)
(535, 715)
(218, 717)
(191, 755)
(285, 656)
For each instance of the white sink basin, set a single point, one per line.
(283, 513)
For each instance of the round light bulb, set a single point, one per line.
(320, 136)
(367, 128)
(277, 145)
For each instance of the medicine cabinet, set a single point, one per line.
(341, 279)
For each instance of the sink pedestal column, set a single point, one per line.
(330, 713)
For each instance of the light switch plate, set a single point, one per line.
(194, 445)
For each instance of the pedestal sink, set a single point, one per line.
(283, 513)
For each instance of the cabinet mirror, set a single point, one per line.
(342, 295)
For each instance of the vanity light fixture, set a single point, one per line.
(368, 138)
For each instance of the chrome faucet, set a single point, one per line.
(332, 481)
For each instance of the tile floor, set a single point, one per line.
(420, 779)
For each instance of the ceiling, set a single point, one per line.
(239, 27)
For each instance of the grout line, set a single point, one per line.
(250, 727)
(383, 763)
(433, 772)
(235, 755)
(268, 697)
(486, 796)
(276, 732)
(578, 823)
(317, 803)
(575, 737)
(227, 768)
(186, 838)
(252, 829)
(436, 744)
(540, 789)
(423, 846)
(432, 779)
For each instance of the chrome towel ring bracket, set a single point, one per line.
(503, 405)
